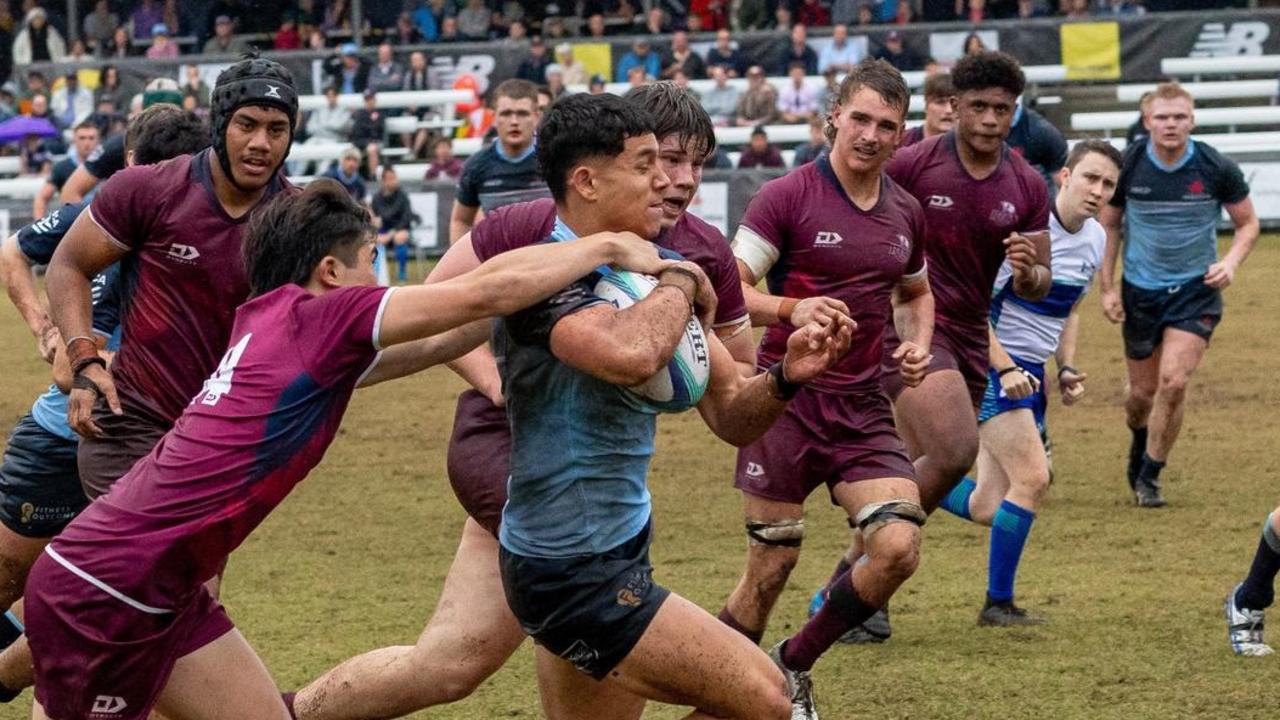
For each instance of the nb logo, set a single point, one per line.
(1243, 38)
(185, 253)
(754, 470)
(827, 238)
(273, 91)
(108, 705)
(940, 201)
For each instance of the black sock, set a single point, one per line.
(1137, 448)
(10, 630)
(1150, 471)
(1257, 592)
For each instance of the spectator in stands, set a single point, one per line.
(36, 85)
(330, 123)
(721, 101)
(797, 101)
(759, 104)
(534, 66)
(725, 55)
(975, 11)
(444, 166)
(595, 27)
(109, 87)
(973, 44)
(99, 24)
(34, 157)
(905, 14)
(845, 12)
(894, 52)
(1028, 9)
(759, 152)
(866, 16)
(449, 30)
(574, 72)
(829, 90)
(797, 50)
(426, 20)
(119, 46)
(287, 36)
(810, 151)
(162, 45)
(841, 54)
(473, 20)
(636, 77)
(517, 32)
(782, 19)
(8, 103)
(405, 32)
(640, 56)
(813, 14)
(196, 87)
(38, 41)
(145, 17)
(71, 104)
(83, 142)
(393, 217)
(347, 172)
(597, 85)
(386, 75)
(1123, 8)
(347, 70)
(337, 16)
(223, 41)
(711, 15)
(368, 128)
(684, 58)
(753, 15)
(656, 23)
(417, 77)
(316, 40)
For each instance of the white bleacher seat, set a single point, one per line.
(1231, 89)
(387, 100)
(9, 165)
(1229, 143)
(1234, 65)
(1208, 117)
(777, 134)
(21, 188)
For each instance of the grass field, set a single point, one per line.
(354, 560)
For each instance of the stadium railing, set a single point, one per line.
(1222, 90)
(1206, 117)
(1235, 65)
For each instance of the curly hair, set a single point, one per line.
(988, 69)
(165, 131)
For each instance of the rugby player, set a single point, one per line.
(505, 171)
(473, 632)
(1039, 143)
(576, 526)
(120, 619)
(1246, 604)
(840, 228)
(984, 205)
(1172, 191)
(179, 225)
(939, 115)
(1013, 468)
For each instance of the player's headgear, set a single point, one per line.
(161, 90)
(252, 81)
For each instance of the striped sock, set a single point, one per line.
(957, 501)
(1009, 530)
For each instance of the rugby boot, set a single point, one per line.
(799, 686)
(1147, 493)
(1244, 628)
(875, 630)
(1006, 614)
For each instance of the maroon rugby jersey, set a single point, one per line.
(829, 246)
(912, 136)
(968, 221)
(184, 276)
(261, 422)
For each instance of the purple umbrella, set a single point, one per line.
(15, 129)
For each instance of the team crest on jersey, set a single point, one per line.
(900, 247)
(1195, 188)
(183, 253)
(827, 238)
(1006, 214)
(942, 202)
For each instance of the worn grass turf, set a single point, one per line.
(354, 560)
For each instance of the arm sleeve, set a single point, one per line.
(533, 325)
(1129, 161)
(107, 159)
(763, 222)
(337, 333)
(916, 261)
(125, 207)
(469, 183)
(1232, 187)
(38, 240)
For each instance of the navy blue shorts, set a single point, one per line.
(994, 401)
(590, 610)
(40, 488)
(1192, 307)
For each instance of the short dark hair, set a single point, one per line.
(292, 233)
(676, 111)
(516, 89)
(165, 131)
(988, 69)
(1094, 145)
(876, 75)
(584, 126)
(88, 124)
(939, 86)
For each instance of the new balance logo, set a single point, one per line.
(754, 470)
(1242, 38)
(185, 253)
(940, 201)
(108, 705)
(273, 91)
(827, 239)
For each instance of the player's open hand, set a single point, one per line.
(913, 363)
(1020, 251)
(1220, 274)
(89, 383)
(632, 252)
(1071, 385)
(48, 341)
(814, 348)
(1018, 384)
(822, 310)
(1112, 305)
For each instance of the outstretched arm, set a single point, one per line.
(15, 269)
(417, 355)
(766, 309)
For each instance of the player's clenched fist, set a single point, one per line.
(913, 363)
(813, 348)
(1020, 251)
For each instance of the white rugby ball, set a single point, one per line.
(681, 384)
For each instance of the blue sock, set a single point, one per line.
(1009, 530)
(402, 258)
(957, 501)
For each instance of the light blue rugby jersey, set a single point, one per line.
(1171, 212)
(1029, 330)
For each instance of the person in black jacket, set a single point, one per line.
(347, 71)
(368, 128)
(393, 217)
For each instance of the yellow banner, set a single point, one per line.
(1091, 50)
(597, 58)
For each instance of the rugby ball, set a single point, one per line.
(681, 384)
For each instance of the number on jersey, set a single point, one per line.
(219, 383)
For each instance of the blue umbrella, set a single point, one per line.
(15, 129)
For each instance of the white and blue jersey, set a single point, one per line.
(1171, 212)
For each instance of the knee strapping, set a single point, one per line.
(779, 533)
(876, 515)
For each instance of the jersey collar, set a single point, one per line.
(1176, 166)
(533, 147)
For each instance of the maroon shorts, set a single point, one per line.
(125, 440)
(823, 438)
(949, 353)
(97, 657)
(478, 458)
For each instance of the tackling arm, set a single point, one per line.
(78, 185)
(15, 268)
